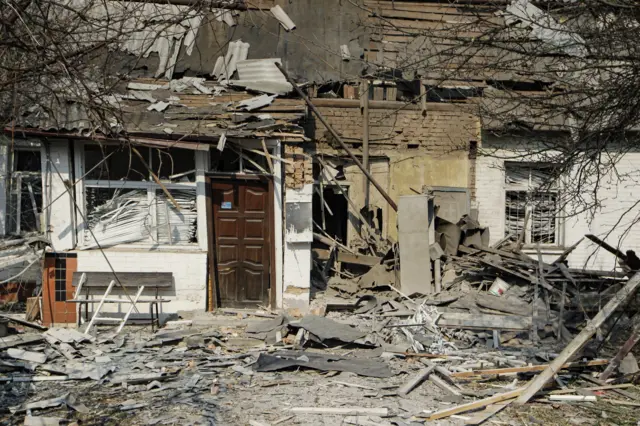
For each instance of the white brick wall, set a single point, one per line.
(618, 195)
(189, 269)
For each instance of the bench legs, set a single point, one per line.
(155, 319)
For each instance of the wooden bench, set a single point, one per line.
(133, 282)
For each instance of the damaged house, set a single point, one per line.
(219, 177)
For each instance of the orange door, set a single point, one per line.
(57, 288)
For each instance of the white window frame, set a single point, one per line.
(151, 188)
(14, 180)
(530, 188)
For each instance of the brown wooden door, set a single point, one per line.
(242, 239)
(58, 288)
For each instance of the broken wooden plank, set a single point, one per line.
(614, 251)
(490, 411)
(341, 411)
(415, 381)
(620, 402)
(24, 323)
(511, 305)
(528, 369)
(357, 259)
(581, 339)
(476, 404)
(484, 321)
(567, 252)
(620, 392)
(442, 384)
(624, 350)
(592, 388)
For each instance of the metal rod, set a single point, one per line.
(216, 4)
(335, 134)
(365, 136)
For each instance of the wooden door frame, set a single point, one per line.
(213, 285)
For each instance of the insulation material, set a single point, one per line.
(173, 226)
(116, 217)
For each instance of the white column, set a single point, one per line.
(202, 165)
(59, 214)
(276, 148)
(298, 236)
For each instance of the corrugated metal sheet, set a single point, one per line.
(260, 69)
(138, 28)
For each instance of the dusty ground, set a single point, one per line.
(235, 395)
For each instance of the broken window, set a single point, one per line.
(528, 192)
(124, 204)
(237, 159)
(25, 195)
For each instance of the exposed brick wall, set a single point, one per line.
(299, 168)
(445, 128)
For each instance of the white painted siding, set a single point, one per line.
(619, 195)
(189, 269)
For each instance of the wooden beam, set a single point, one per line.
(592, 388)
(267, 155)
(528, 369)
(476, 404)
(484, 321)
(581, 339)
(614, 251)
(337, 137)
(620, 392)
(567, 252)
(357, 259)
(622, 353)
(490, 411)
(415, 381)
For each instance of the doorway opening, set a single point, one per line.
(331, 212)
